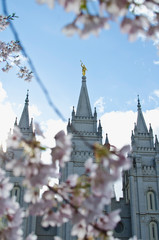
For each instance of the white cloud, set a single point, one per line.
(7, 115)
(100, 104)
(152, 116)
(156, 92)
(34, 111)
(119, 125)
(50, 128)
(3, 94)
(156, 62)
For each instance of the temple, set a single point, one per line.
(140, 202)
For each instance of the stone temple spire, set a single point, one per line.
(141, 137)
(84, 107)
(25, 126)
(24, 120)
(107, 144)
(141, 125)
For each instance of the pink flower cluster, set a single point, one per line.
(136, 18)
(9, 53)
(3, 22)
(80, 199)
(61, 153)
(30, 165)
(10, 213)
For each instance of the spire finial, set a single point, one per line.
(107, 144)
(84, 69)
(95, 112)
(27, 97)
(138, 103)
(15, 121)
(73, 111)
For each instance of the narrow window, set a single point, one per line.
(153, 231)
(16, 193)
(151, 205)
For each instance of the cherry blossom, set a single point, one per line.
(10, 52)
(79, 229)
(11, 216)
(70, 29)
(62, 151)
(49, 2)
(4, 21)
(31, 237)
(57, 238)
(72, 180)
(5, 185)
(80, 199)
(15, 138)
(38, 130)
(109, 222)
(135, 18)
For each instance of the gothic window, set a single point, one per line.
(153, 231)
(127, 194)
(151, 205)
(119, 228)
(16, 193)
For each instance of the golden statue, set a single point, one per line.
(84, 69)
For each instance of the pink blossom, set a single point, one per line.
(31, 237)
(71, 5)
(92, 24)
(5, 185)
(3, 22)
(38, 130)
(109, 222)
(10, 213)
(62, 151)
(15, 138)
(57, 238)
(52, 218)
(70, 29)
(102, 185)
(72, 180)
(90, 167)
(49, 2)
(66, 211)
(79, 229)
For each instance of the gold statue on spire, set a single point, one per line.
(84, 69)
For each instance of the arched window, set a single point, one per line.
(16, 193)
(151, 204)
(153, 231)
(119, 228)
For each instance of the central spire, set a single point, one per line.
(141, 125)
(84, 107)
(24, 120)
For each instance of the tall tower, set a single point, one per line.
(18, 190)
(141, 182)
(31, 223)
(84, 130)
(83, 127)
(25, 126)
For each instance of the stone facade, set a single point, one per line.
(141, 185)
(140, 202)
(30, 224)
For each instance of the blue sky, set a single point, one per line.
(117, 70)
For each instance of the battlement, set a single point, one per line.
(145, 149)
(84, 133)
(148, 170)
(83, 153)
